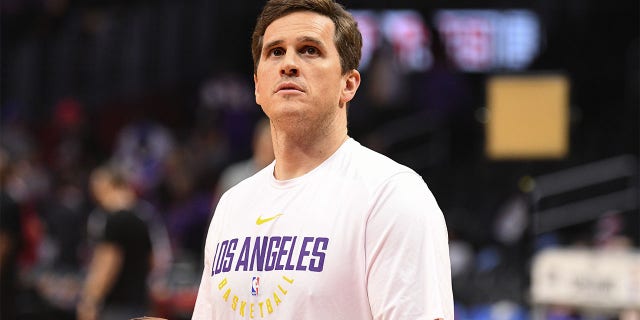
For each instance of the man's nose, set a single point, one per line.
(289, 64)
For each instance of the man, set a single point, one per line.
(330, 229)
(116, 283)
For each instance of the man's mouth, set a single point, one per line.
(288, 87)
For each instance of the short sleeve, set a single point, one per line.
(125, 229)
(114, 229)
(407, 254)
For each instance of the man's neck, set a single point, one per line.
(120, 200)
(297, 155)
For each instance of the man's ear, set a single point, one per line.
(352, 82)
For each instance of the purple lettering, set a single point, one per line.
(271, 253)
(303, 253)
(258, 253)
(317, 267)
(289, 266)
(243, 260)
(221, 254)
(282, 252)
(228, 261)
(213, 262)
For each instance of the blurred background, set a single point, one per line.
(521, 116)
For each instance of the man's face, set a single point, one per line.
(299, 80)
(102, 190)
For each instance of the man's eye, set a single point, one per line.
(310, 50)
(277, 52)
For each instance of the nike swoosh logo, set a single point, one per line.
(261, 221)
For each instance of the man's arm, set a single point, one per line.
(103, 270)
(408, 266)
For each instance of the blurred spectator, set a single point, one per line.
(141, 149)
(69, 146)
(387, 87)
(10, 241)
(610, 233)
(62, 250)
(25, 181)
(187, 208)
(262, 148)
(64, 215)
(51, 194)
(229, 96)
(442, 92)
(116, 283)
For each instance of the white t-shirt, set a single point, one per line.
(358, 237)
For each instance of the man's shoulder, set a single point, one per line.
(374, 166)
(126, 217)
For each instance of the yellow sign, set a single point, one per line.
(527, 117)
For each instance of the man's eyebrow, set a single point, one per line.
(316, 41)
(273, 43)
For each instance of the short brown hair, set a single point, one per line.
(347, 37)
(112, 174)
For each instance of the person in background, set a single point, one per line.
(116, 283)
(330, 229)
(10, 242)
(262, 149)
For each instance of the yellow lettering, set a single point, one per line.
(269, 306)
(222, 284)
(287, 279)
(251, 311)
(276, 299)
(225, 296)
(261, 312)
(242, 305)
(234, 302)
(282, 290)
